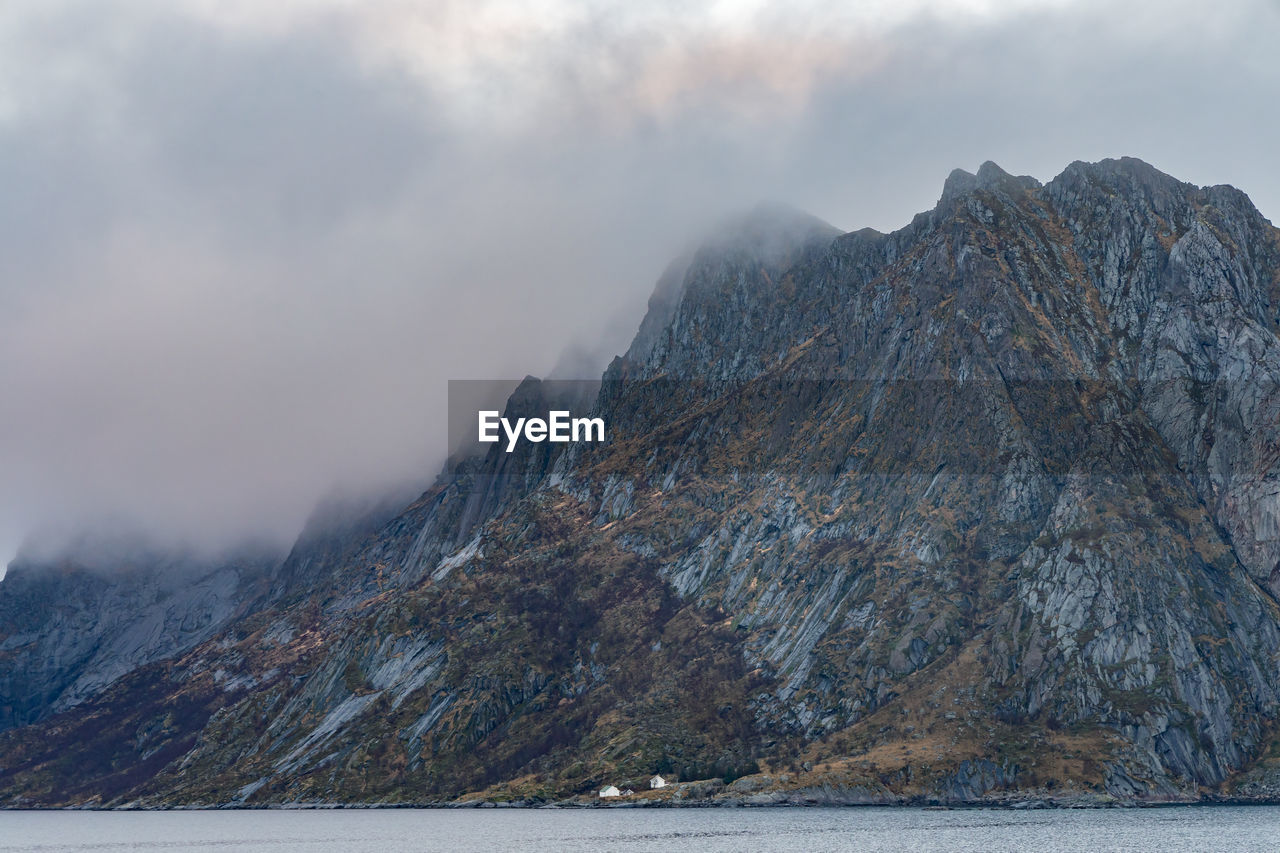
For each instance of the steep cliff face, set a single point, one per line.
(985, 504)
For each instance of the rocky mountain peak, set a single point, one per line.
(714, 292)
(989, 177)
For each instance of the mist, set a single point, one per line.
(243, 249)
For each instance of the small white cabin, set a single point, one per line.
(657, 782)
(610, 791)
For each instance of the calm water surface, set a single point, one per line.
(1170, 830)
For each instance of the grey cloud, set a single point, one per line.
(238, 269)
(279, 136)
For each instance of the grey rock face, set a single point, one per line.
(973, 779)
(1189, 279)
(68, 632)
(1117, 331)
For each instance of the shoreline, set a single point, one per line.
(1009, 804)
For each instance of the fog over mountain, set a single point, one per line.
(244, 246)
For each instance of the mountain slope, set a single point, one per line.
(987, 504)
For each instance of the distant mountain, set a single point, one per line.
(985, 508)
(69, 628)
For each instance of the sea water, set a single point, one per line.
(812, 830)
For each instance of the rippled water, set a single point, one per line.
(598, 830)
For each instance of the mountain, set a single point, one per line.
(987, 508)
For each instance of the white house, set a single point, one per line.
(657, 782)
(610, 791)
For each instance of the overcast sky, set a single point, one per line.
(244, 244)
